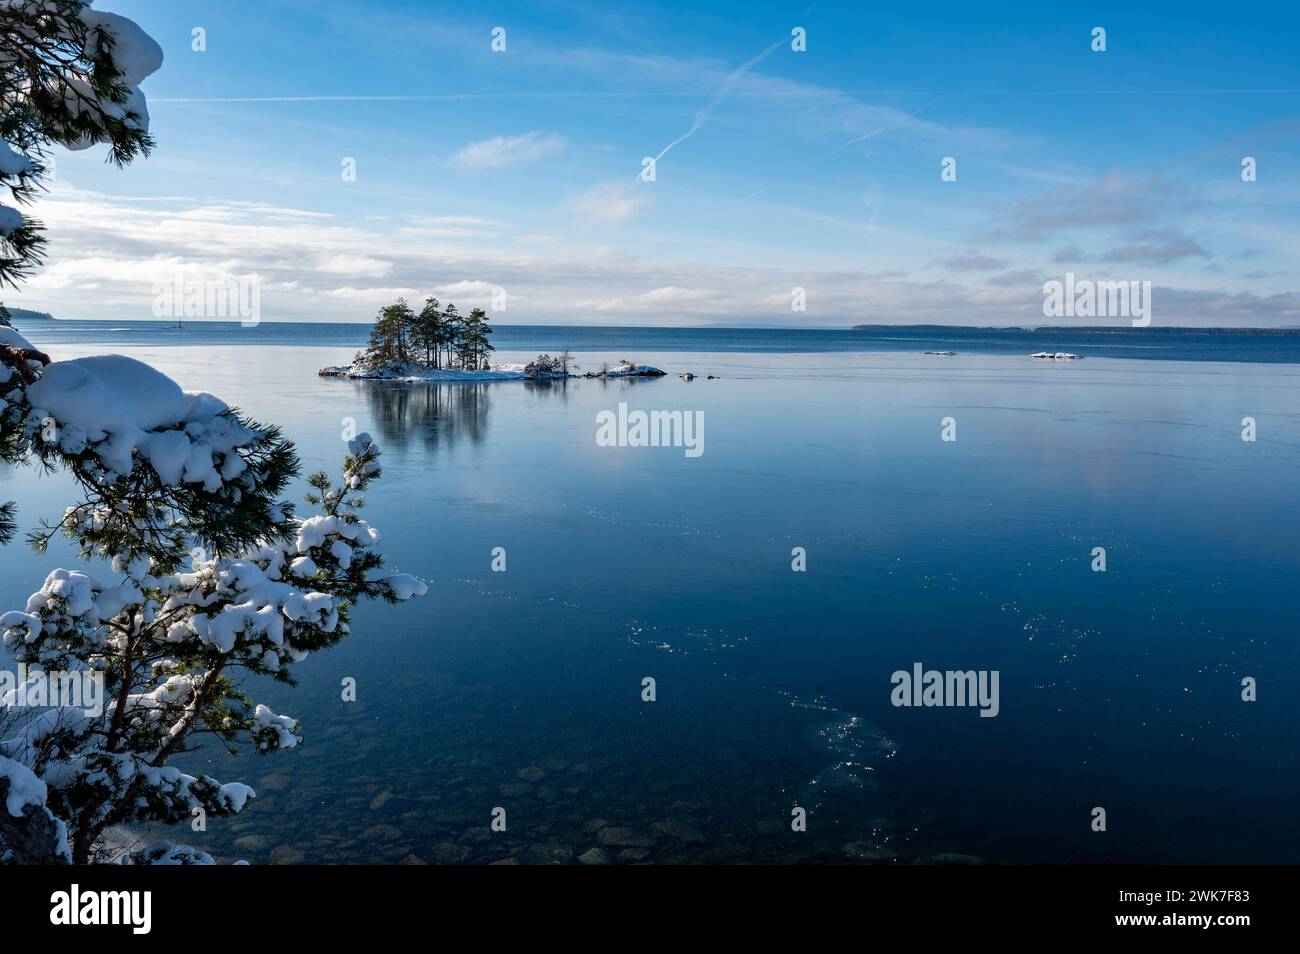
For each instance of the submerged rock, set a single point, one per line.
(273, 783)
(625, 838)
(681, 830)
(287, 855)
(865, 851)
(381, 833)
(949, 858)
(251, 842)
(547, 854)
(447, 853)
(594, 856)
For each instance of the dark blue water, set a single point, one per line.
(522, 689)
(1168, 344)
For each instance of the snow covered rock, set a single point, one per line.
(23, 788)
(12, 339)
(168, 853)
(29, 832)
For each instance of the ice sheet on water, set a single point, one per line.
(855, 747)
(683, 640)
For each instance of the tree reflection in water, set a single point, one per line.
(431, 415)
(438, 415)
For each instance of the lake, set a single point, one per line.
(523, 689)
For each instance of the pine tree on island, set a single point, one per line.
(433, 339)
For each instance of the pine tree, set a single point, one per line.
(389, 339)
(215, 578)
(379, 348)
(70, 76)
(172, 642)
(403, 335)
(427, 331)
(453, 327)
(476, 344)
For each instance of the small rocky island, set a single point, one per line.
(543, 368)
(440, 344)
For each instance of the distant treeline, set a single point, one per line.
(433, 337)
(9, 315)
(1089, 329)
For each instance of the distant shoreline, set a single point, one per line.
(600, 343)
(1093, 329)
(1284, 331)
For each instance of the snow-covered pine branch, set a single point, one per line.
(213, 577)
(70, 76)
(173, 642)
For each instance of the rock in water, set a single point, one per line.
(543, 854)
(625, 838)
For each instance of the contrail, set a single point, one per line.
(877, 132)
(429, 98)
(632, 93)
(703, 115)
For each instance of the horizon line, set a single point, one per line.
(816, 328)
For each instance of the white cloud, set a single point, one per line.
(501, 152)
(362, 266)
(467, 289)
(613, 202)
(372, 296)
(106, 254)
(669, 296)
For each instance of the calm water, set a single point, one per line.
(522, 689)
(1155, 344)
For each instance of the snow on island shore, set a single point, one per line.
(401, 371)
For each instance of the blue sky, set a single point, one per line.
(518, 170)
